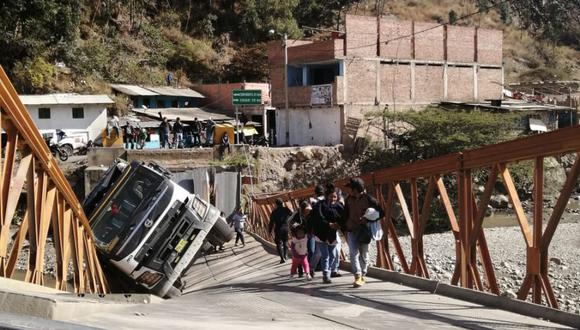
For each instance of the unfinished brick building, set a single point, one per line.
(379, 62)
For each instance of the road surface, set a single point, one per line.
(247, 288)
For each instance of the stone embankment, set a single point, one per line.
(298, 167)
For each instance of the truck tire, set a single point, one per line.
(221, 232)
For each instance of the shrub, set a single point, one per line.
(34, 76)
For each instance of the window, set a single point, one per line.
(44, 113)
(78, 113)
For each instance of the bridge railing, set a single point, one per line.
(467, 211)
(51, 207)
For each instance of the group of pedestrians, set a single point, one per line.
(183, 137)
(314, 231)
(134, 136)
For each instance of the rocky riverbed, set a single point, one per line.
(508, 253)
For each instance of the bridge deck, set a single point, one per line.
(247, 288)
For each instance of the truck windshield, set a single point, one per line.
(119, 211)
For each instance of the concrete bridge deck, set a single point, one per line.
(247, 288)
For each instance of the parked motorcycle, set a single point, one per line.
(55, 150)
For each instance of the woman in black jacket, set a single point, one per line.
(325, 218)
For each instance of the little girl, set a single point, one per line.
(299, 248)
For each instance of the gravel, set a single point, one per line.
(508, 253)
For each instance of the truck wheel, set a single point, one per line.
(222, 231)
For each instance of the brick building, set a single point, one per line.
(377, 63)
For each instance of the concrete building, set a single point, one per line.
(159, 97)
(72, 113)
(377, 63)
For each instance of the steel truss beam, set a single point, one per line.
(467, 227)
(50, 204)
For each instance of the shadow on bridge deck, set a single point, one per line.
(248, 288)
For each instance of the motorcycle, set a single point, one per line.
(55, 150)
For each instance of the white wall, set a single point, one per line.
(94, 121)
(325, 128)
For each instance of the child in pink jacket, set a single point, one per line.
(299, 248)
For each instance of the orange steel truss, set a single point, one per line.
(28, 166)
(467, 218)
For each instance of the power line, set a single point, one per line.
(482, 10)
(458, 19)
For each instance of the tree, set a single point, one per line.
(29, 28)
(434, 132)
(249, 63)
(320, 13)
(34, 75)
(452, 17)
(551, 19)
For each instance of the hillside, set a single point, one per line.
(80, 46)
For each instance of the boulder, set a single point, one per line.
(554, 176)
(303, 155)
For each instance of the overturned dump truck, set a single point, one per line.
(148, 227)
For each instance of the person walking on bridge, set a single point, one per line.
(299, 220)
(357, 233)
(238, 222)
(279, 224)
(314, 254)
(325, 222)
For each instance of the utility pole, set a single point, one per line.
(287, 110)
(570, 104)
(286, 89)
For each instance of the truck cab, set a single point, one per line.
(147, 226)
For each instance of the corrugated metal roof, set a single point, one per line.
(186, 114)
(50, 99)
(133, 90)
(170, 91)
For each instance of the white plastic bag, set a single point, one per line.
(376, 229)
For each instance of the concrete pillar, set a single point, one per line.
(475, 87)
(265, 122)
(344, 83)
(502, 81)
(445, 82)
(304, 76)
(377, 82)
(412, 82)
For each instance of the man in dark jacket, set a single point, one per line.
(279, 223)
(196, 131)
(356, 204)
(164, 129)
(177, 133)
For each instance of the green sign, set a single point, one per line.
(247, 97)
